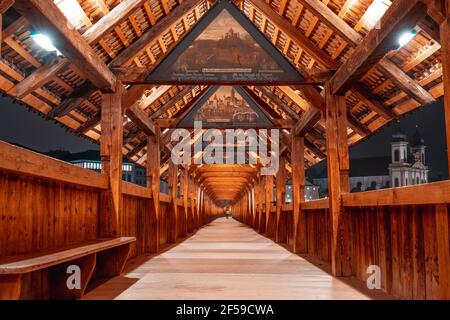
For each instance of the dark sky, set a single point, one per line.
(430, 122)
(18, 125)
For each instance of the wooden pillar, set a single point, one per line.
(338, 181)
(173, 184)
(443, 250)
(199, 205)
(249, 205)
(153, 182)
(445, 58)
(111, 155)
(184, 190)
(192, 201)
(268, 189)
(298, 194)
(261, 202)
(281, 177)
(442, 214)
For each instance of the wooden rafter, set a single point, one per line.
(46, 16)
(401, 15)
(154, 33)
(306, 44)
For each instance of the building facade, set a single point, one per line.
(130, 171)
(408, 161)
(404, 167)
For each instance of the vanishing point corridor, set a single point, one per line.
(225, 260)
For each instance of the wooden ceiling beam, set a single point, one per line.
(307, 122)
(120, 13)
(296, 35)
(46, 17)
(138, 148)
(280, 103)
(402, 15)
(126, 56)
(313, 97)
(38, 78)
(314, 149)
(73, 100)
(133, 94)
(364, 94)
(89, 124)
(163, 109)
(227, 168)
(5, 5)
(333, 21)
(141, 119)
(356, 126)
(404, 82)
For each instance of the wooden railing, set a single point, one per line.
(431, 193)
(46, 203)
(404, 231)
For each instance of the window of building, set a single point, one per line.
(397, 183)
(396, 155)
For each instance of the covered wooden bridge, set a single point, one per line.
(328, 74)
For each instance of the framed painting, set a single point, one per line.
(225, 48)
(226, 107)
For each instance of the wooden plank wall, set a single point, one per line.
(163, 222)
(37, 214)
(42, 209)
(138, 220)
(401, 239)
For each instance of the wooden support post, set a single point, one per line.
(443, 250)
(173, 215)
(201, 208)
(280, 232)
(184, 190)
(249, 207)
(193, 201)
(10, 286)
(253, 207)
(298, 194)
(261, 205)
(153, 168)
(111, 156)
(268, 189)
(445, 58)
(338, 181)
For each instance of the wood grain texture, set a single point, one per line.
(225, 260)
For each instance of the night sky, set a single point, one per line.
(430, 123)
(18, 125)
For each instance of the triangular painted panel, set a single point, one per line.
(225, 48)
(226, 107)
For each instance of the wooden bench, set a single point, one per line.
(99, 258)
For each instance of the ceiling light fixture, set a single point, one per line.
(406, 37)
(45, 43)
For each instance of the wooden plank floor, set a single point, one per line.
(225, 260)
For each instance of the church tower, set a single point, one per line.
(418, 147)
(407, 168)
(398, 169)
(419, 170)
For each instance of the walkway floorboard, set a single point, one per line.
(225, 260)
